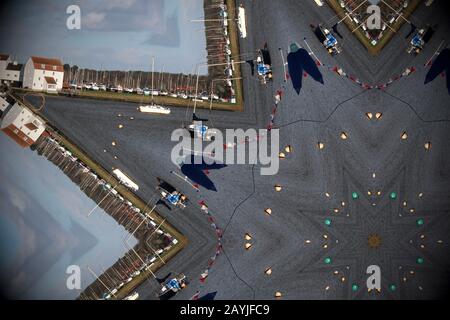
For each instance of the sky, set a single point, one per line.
(114, 34)
(44, 228)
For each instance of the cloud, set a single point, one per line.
(124, 16)
(121, 4)
(93, 20)
(169, 35)
(18, 199)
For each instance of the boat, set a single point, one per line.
(133, 296)
(152, 107)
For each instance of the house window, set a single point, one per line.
(54, 68)
(43, 66)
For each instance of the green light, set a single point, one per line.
(355, 195)
(327, 260)
(355, 287)
(420, 222)
(392, 287)
(419, 260)
(327, 222)
(393, 195)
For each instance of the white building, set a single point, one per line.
(43, 74)
(3, 104)
(12, 73)
(4, 60)
(22, 125)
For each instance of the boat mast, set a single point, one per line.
(153, 69)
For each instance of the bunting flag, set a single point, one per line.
(277, 100)
(195, 296)
(211, 220)
(364, 85)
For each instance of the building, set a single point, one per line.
(43, 74)
(12, 73)
(4, 61)
(22, 125)
(3, 105)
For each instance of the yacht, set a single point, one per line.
(152, 107)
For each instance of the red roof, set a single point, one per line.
(50, 80)
(17, 137)
(50, 64)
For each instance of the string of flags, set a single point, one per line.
(354, 79)
(365, 85)
(218, 231)
(274, 109)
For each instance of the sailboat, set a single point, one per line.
(152, 107)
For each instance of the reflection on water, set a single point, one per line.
(44, 227)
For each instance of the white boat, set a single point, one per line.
(128, 90)
(154, 109)
(95, 87)
(119, 88)
(125, 179)
(136, 273)
(133, 296)
(139, 91)
(102, 87)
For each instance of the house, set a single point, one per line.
(4, 61)
(22, 125)
(43, 74)
(12, 73)
(3, 104)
